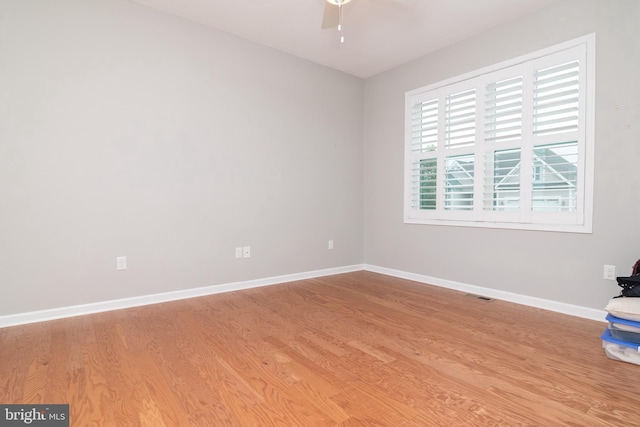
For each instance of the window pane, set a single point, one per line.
(502, 180)
(459, 182)
(555, 174)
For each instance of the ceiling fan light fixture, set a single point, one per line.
(339, 3)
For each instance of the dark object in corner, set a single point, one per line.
(630, 285)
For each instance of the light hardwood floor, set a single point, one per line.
(357, 349)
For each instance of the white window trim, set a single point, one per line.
(543, 221)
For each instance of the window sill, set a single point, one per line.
(557, 228)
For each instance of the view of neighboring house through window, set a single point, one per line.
(508, 146)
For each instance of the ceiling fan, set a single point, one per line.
(333, 10)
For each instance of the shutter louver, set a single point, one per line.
(423, 189)
(460, 121)
(424, 126)
(503, 110)
(556, 99)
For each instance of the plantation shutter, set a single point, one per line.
(424, 126)
(460, 119)
(507, 147)
(556, 99)
(424, 141)
(503, 110)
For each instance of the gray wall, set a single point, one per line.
(562, 267)
(125, 131)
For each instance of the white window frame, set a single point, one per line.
(525, 218)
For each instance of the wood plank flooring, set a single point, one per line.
(357, 349)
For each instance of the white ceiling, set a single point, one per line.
(379, 34)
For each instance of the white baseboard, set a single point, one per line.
(98, 307)
(559, 307)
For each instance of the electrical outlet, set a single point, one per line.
(330, 245)
(609, 272)
(246, 251)
(239, 252)
(121, 263)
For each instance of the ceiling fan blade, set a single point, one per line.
(330, 17)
